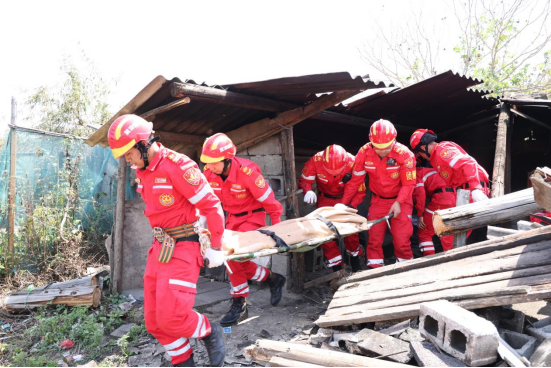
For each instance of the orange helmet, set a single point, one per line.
(126, 131)
(334, 159)
(382, 134)
(421, 137)
(216, 148)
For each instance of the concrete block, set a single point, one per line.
(512, 320)
(277, 183)
(396, 329)
(541, 330)
(411, 335)
(281, 263)
(270, 165)
(269, 146)
(460, 333)
(427, 355)
(524, 345)
(373, 342)
(542, 355)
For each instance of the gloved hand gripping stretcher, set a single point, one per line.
(296, 235)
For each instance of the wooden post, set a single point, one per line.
(298, 270)
(463, 197)
(500, 160)
(119, 227)
(12, 189)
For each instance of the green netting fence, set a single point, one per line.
(56, 177)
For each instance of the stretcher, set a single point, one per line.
(303, 246)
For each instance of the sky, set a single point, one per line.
(216, 42)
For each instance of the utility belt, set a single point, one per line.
(441, 190)
(170, 236)
(332, 196)
(240, 214)
(466, 185)
(376, 195)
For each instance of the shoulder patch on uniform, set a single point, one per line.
(260, 182)
(247, 170)
(444, 174)
(362, 188)
(192, 176)
(317, 158)
(446, 153)
(176, 158)
(409, 163)
(399, 150)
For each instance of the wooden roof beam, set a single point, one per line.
(521, 102)
(251, 134)
(219, 96)
(535, 121)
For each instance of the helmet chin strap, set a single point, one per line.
(227, 163)
(143, 148)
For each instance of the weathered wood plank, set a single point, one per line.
(498, 232)
(159, 110)
(463, 197)
(326, 278)
(498, 176)
(509, 207)
(542, 190)
(185, 139)
(471, 250)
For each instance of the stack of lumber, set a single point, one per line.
(78, 292)
(501, 271)
(284, 354)
(541, 181)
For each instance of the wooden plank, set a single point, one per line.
(498, 232)
(264, 350)
(535, 121)
(92, 298)
(542, 191)
(500, 157)
(119, 227)
(541, 292)
(472, 250)
(185, 139)
(159, 110)
(509, 207)
(11, 195)
(278, 361)
(506, 286)
(253, 133)
(326, 278)
(467, 126)
(437, 285)
(526, 101)
(463, 197)
(298, 267)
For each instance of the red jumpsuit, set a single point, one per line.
(245, 195)
(431, 185)
(331, 191)
(391, 179)
(458, 169)
(173, 189)
(541, 221)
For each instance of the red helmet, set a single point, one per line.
(382, 134)
(417, 136)
(126, 131)
(334, 159)
(216, 148)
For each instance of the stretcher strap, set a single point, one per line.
(333, 228)
(279, 242)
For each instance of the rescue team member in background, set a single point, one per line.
(453, 164)
(173, 189)
(391, 169)
(431, 185)
(245, 196)
(331, 170)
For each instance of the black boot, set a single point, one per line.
(356, 264)
(336, 268)
(216, 348)
(276, 283)
(238, 312)
(186, 363)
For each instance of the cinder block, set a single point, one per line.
(373, 342)
(281, 263)
(277, 183)
(427, 355)
(542, 355)
(541, 330)
(270, 165)
(524, 345)
(512, 320)
(460, 333)
(269, 146)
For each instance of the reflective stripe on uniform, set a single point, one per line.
(182, 283)
(424, 244)
(201, 330)
(308, 177)
(265, 195)
(359, 173)
(402, 259)
(175, 344)
(240, 289)
(419, 185)
(162, 187)
(181, 351)
(259, 274)
(202, 193)
(457, 158)
(333, 261)
(375, 261)
(429, 211)
(427, 175)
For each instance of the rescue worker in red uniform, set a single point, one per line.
(392, 176)
(453, 164)
(174, 191)
(246, 197)
(331, 170)
(543, 218)
(431, 185)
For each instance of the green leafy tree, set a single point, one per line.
(75, 105)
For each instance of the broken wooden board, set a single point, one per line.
(497, 210)
(541, 181)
